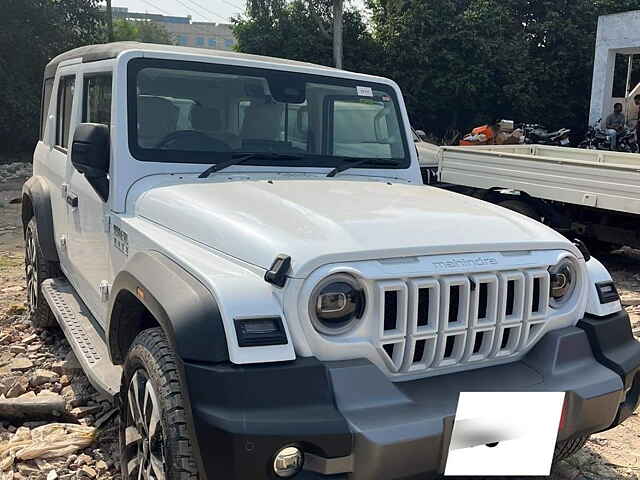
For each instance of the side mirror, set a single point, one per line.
(90, 155)
(421, 134)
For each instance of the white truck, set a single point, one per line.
(244, 255)
(590, 194)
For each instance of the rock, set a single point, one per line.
(52, 475)
(6, 339)
(101, 466)
(41, 376)
(68, 366)
(17, 349)
(65, 380)
(31, 407)
(34, 347)
(83, 459)
(18, 388)
(28, 469)
(81, 412)
(30, 339)
(71, 459)
(86, 472)
(21, 364)
(75, 394)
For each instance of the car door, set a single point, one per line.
(56, 166)
(88, 213)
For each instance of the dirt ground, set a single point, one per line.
(610, 455)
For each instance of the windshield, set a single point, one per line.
(189, 112)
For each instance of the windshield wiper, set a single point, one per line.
(238, 158)
(350, 162)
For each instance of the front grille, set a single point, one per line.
(455, 320)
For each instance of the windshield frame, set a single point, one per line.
(135, 65)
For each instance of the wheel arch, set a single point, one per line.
(152, 290)
(36, 203)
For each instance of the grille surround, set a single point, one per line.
(455, 319)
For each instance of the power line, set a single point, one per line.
(207, 10)
(157, 8)
(191, 9)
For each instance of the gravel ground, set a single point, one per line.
(36, 363)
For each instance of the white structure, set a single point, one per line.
(619, 33)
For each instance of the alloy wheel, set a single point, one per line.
(144, 437)
(31, 271)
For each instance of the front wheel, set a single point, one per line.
(154, 439)
(37, 269)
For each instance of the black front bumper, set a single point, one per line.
(352, 422)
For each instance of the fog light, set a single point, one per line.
(288, 462)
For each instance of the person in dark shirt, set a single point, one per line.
(614, 125)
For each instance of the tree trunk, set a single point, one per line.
(337, 33)
(109, 21)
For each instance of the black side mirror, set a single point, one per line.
(90, 155)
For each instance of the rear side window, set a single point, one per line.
(65, 102)
(44, 108)
(97, 99)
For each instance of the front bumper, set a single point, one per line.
(352, 422)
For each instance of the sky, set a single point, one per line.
(218, 11)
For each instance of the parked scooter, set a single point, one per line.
(538, 134)
(627, 141)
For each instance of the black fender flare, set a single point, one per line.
(186, 310)
(36, 202)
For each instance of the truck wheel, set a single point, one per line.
(566, 448)
(521, 207)
(154, 440)
(37, 269)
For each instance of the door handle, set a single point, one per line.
(72, 200)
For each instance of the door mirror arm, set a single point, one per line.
(90, 151)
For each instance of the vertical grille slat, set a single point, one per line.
(445, 321)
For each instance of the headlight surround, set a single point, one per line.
(336, 303)
(563, 279)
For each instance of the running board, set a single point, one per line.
(77, 323)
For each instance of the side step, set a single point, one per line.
(77, 323)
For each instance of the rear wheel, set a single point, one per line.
(154, 440)
(566, 448)
(37, 269)
(522, 208)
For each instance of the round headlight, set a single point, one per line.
(563, 279)
(336, 303)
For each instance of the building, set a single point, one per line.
(184, 31)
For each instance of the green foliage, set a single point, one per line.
(294, 30)
(140, 31)
(458, 62)
(32, 33)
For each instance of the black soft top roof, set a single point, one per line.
(104, 51)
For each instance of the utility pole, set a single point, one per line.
(109, 22)
(337, 32)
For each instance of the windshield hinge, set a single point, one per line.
(277, 274)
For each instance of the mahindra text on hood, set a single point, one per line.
(320, 221)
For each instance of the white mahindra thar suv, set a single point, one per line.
(240, 248)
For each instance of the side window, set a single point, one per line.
(65, 102)
(97, 99)
(44, 108)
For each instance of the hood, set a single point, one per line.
(320, 221)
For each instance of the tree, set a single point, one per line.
(33, 33)
(299, 30)
(141, 31)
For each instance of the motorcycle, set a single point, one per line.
(539, 135)
(597, 138)
(627, 141)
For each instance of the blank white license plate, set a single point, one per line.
(504, 433)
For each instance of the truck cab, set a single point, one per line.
(242, 250)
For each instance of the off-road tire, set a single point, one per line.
(521, 207)
(152, 356)
(37, 269)
(566, 448)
